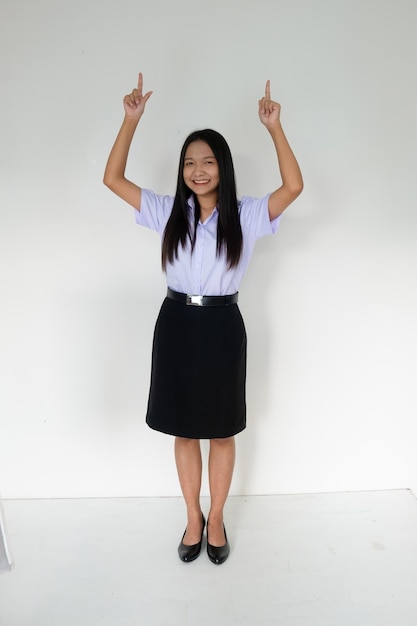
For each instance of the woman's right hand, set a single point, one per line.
(114, 175)
(134, 103)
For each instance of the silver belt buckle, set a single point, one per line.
(194, 300)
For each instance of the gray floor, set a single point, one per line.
(326, 560)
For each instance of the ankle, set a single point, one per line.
(194, 515)
(215, 518)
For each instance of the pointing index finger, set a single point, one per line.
(268, 90)
(140, 83)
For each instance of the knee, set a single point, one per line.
(223, 442)
(187, 442)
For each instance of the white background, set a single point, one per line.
(330, 302)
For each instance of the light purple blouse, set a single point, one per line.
(203, 272)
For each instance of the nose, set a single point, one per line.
(198, 168)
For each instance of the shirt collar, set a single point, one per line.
(191, 207)
(191, 203)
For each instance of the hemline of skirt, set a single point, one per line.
(203, 437)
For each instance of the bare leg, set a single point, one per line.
(189, 466)
(221, 464)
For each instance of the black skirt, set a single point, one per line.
(198, 373)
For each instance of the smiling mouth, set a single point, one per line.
(201, 182)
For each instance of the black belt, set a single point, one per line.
(186, 298)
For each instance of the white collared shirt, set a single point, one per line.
(203, 272)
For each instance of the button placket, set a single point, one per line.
(197, 262)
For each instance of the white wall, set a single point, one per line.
(330, 302)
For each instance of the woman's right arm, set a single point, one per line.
(114, 174)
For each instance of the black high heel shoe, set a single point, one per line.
(218, 555)
(189, 553)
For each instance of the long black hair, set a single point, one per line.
(229, 232)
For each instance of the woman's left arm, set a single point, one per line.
(292, 180)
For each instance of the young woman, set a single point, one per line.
(198, 373)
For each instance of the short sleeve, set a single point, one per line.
(254, 217)
(154, 210)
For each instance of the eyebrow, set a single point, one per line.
(211, 156)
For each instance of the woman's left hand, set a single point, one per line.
(269, 111)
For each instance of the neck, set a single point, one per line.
(207, 204)
(205, 213)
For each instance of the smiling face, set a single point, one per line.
(201, 172)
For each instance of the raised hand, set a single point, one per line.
(134, 103)
(269, 111)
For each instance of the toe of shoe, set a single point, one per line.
(218, 555)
